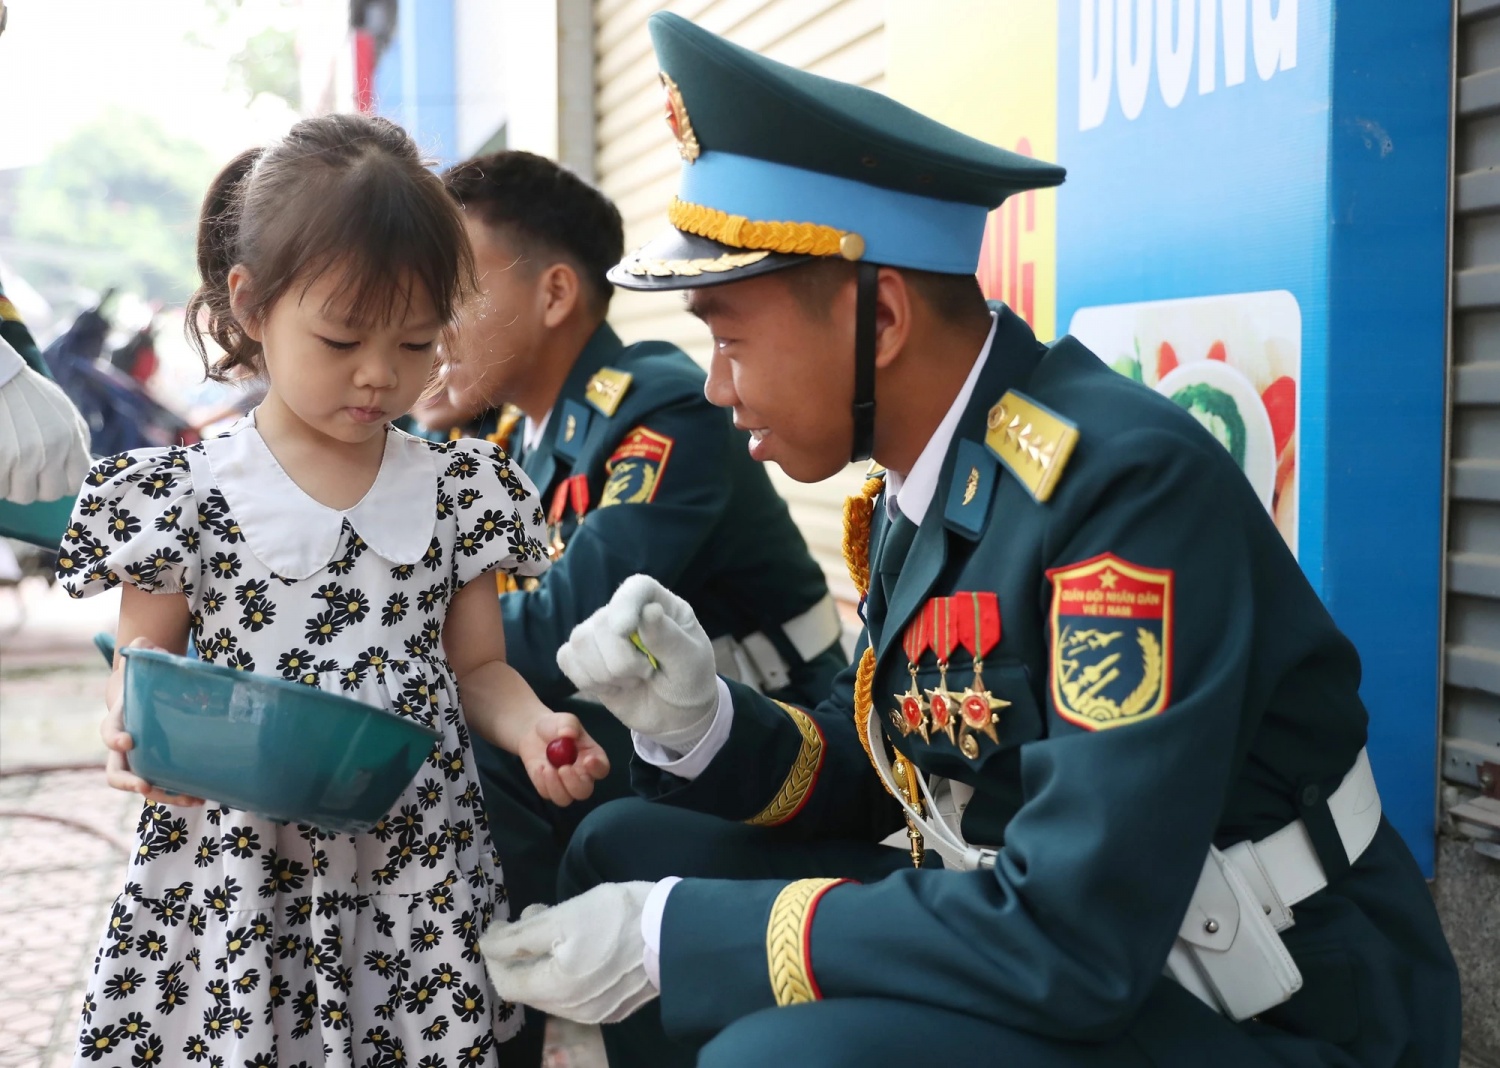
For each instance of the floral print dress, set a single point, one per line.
(240, 941)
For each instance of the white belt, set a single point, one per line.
(755, 660)
(1227, 952)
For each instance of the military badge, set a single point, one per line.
(978, 618)
(634, 471)
(910, 713)
(942, 705)
(570, 491)
(1111, 642)
(8, 310)
(576, 420)
(677, 120)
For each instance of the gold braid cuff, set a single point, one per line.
(801, 779)
(789, 940)
(736, 231)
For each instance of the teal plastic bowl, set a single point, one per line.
(41, 523)
(276, 748)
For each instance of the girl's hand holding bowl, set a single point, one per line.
(116, 768)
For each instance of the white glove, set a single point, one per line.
(583, 960)
(674, 703)
(44, 442)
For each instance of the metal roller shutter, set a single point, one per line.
(637, 167)
(1472, 662)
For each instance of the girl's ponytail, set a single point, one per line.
(209, 312)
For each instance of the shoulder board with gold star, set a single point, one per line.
(1032, 441)
(606, 389)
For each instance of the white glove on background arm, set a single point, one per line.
(672, 704)
(44, 442)
(583, 960)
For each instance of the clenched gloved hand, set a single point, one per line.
(583, 960)
(44, 442)
(672, 703)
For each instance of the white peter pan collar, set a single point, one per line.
(296, 536)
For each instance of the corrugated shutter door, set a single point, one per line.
(1472, 692)
(637, 167)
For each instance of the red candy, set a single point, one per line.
(561, 751)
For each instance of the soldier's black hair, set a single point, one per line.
(546, 210)
(349, 193)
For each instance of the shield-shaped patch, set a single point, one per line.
(635, 468)
(1111, 642)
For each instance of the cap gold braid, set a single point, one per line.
(858, 512)
(736, 231)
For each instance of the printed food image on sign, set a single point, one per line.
(1111, 642)
(634, 470)
(1234, 362)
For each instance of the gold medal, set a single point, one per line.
(943, 705)
(979, 632)
(910, 714)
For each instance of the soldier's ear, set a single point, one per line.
(560, 291)
(892, 315)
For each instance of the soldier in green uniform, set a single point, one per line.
(638, 473)
(1123, 733)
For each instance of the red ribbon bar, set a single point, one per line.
(915, 640)
(978, 621)
(573, 490)
(942, 626)
(579, 494)
(559, 503)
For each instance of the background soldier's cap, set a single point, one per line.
(780, 166)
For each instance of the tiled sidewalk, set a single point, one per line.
(56, 882)
(64, 840)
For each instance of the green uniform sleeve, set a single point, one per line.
(1067, 934)
(657, 537)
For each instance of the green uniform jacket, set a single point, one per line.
(672, 493)
(1102, 832)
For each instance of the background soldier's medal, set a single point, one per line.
(979, 632)
(910, 716)
(942, 704)
(555, 518)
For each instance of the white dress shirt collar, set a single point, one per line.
(531, 432)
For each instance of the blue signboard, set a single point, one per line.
(1256, 207)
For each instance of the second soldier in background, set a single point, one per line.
(638, 472)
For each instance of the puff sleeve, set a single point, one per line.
(499, 524)
(134, 521)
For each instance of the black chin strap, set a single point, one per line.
(864, 364)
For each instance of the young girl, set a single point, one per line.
(316, 543)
